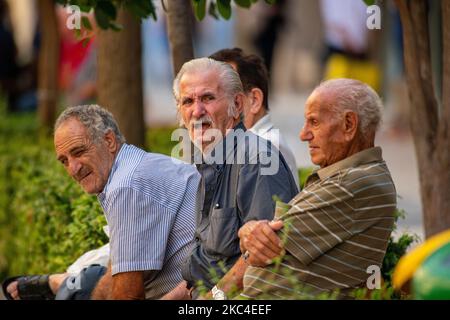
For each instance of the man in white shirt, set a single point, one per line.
(255, 80)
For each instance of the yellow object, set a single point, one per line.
(409, 263)
(340, 66)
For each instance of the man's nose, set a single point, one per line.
(305, 134)
(199, 109)
(74, 167)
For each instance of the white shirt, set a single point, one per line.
(345, 21)
(266, 130)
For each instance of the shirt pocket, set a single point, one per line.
(222, 239)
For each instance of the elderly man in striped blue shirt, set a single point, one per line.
(148, 200)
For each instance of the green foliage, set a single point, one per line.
(224, 8)
(396, 248)
(200, 9)
(221, 8)
(46, 220)
(369, 2)
(159, 140)
(105, 11)
(303, 174)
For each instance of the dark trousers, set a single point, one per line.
(80, 287)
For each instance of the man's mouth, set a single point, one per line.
(85, 176)
(203, 126)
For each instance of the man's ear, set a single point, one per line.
(256, 100)
(351, 122)
(111, 141)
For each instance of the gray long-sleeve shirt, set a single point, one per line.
(231, 195)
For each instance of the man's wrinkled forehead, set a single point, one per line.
(199, 83)
(318, 102)
(70, 133)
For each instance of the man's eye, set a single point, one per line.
(207, 98)
(78, 153)
(186, 102)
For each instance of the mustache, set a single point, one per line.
(197, 123)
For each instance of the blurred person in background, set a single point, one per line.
(256, 118)
(347, 42)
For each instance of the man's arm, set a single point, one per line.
(232, 281)
(180, 292)
(128, 286)
(122, 286)
(263, 245)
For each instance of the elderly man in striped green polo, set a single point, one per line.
(334, 233)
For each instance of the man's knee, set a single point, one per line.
(80, 286)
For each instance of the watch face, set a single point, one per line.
(218, 294)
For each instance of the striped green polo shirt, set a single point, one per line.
(336, 228)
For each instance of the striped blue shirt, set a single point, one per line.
(149, 203)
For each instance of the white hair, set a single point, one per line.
(230, 82)
(97, 120)
(354, 95)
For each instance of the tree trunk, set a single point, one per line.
(179, 28)
(119, 63)
(429, 125)
(48, 65)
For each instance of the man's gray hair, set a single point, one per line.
(97, 120)
(229, 79)
(356, 96)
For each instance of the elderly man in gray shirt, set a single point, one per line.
(240, 171)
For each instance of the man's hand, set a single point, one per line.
(259, 238)
(180, 292)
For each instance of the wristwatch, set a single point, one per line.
(218, 294)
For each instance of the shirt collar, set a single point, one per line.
(262, 126)
(119, 158)
(355, 160)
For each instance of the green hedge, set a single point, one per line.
(46, 220)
